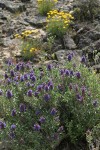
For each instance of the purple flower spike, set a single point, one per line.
(83, 59)
(13, 127)
(39, 88)
(42, 119)
(8, 81)
(37, 127)
(83, 91)
(22, 78)
(69, 57)
(95, 103)
(6, 76)
(49, 67)
(22, 108)
(33, 78)
(29, 93)
(17, 67)
(26, 76)
(78, 75)
(46, 97)
(46, 88)
(0, 92)
(53, 111)
(36, 94)
(12, 73)
(2, 125)
(67, 72)
(13, 113)
(9, 94)
(62, 71)
(79, 97)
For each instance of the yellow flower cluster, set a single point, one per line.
(41, 1)
(59, 16)
(26, 33)
(33, 50)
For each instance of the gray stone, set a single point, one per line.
(11, 6)
(38, 21)
(62, 55)
(69, 42)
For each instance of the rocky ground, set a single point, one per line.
(19, 15)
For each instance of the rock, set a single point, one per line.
(25, 1)
(2, 16)
(62, 55)
(11, 6)
(96, 68)
(69, 42)
(37, 21)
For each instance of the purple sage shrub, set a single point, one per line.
(39, 109)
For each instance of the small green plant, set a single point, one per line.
(58, 23)
(88, 9)
(30, 46)
(44, 6)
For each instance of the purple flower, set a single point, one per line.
(39, 88)
(71, 72)
(13, 127)
(60, 87)
(26, 76)
(50, 84)
(12, 73)
(36, 94)
(95, 103)
(22, 108)
(16, 78)
(33, 78)
(8, 81)
(61, 129)
(13, 113)
(0, 92)
(67, 72)
(37, 112)
(17, 67)
(2, 125)
(78, 75)
(62, 71)
(22, 78)
(46, 88)
(76, 88)
(37, 127)
(83, 59)
(42, 119)
(69, 57)
(9, 94)
(29, 93)
(53, 111)
(28, 84)
(49, 67)
(79, 97)
(5, 75)
(46, 97)
(12, 135)
(83, 89)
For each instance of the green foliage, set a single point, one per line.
(58, 23)
(68, 99)
(44, 6)
(87, 9)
